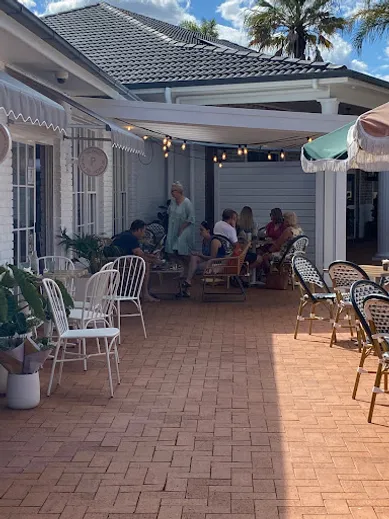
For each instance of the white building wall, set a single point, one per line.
(106, 192)
(6, 206)
(263, 186)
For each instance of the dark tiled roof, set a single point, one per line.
(138, 50)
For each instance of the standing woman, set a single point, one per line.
(180, 234)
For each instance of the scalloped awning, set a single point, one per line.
(22, 102)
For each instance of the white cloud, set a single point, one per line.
(28, 3)
(340, 52)
(238, 36)
(359, 66)
(172, 11)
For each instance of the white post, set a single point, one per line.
(331, 200)
(192, 173)
(383, 215)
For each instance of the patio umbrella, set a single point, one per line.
(363, 144)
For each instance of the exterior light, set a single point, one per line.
(220, 165)
(129, 128)
(269, 156)
(309, 139)
(240, 151)
(145, 137)
(224, 155)
(166, 154)
(183, 146)
(215, 158)
(165, 141)
(282, 155)
(169, 143)
(164, 147)
(245, 150)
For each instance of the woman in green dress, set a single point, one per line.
(180, 235)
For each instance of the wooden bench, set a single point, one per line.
(225, 269)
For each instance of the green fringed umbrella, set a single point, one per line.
(363, 144)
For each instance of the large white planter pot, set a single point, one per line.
(23, 391)
(3, 380)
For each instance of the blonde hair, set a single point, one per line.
(178, 186)
(290, 219)
(246, 219)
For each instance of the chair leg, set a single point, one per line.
(117, 360)
(350, 323)
(312, 316)
(239, 281)
(83, 343)
(142, 319)
(62, 362)
(376, 389)
(336, 321)
(359, 371)
(299, 314)
(119, 320)
(108, 366)
(53, 367)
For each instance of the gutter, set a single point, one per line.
(26, 18)
(343, 73)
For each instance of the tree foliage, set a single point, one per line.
(205, 27)
(370, 23)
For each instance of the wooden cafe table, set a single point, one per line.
(375, 272)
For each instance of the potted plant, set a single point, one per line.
(22, 352)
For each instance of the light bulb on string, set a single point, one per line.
(165, 141)
(145, 137)
(269, 156)
(164, 147)
(240, 151)
(309, 139)
(183, 146)
(220, 165)
(169, 143)
(224, 155)
(245, 150)
(166, 154)
(215, 158)
(282, 155)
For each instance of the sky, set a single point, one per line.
(229, 14)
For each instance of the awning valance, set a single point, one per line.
(120, 137)
(22, 102)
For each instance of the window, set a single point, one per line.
(24, 210)
(85, 199)
(121, 165)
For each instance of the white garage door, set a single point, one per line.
(263, 186)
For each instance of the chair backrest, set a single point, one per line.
(57, 306)
(225, 243)
(132, 271)
(154, 237)
(107, 266)
(344, 273)
(100, 294)
(58, 263)
(298, 244)
(376, 308)
(359, 291)
(308, 275)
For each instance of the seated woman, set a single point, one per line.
(275, 227)
(277, 248)
(213, 247)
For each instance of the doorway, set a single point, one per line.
(44, 227)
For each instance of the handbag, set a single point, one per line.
(277, 280)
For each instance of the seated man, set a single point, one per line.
(128, 243)
(227, 226)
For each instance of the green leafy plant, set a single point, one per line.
(206, 28)
(90, 248)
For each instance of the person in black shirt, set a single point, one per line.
(128, 243)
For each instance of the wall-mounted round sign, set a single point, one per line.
(5, 142)
(93, 161)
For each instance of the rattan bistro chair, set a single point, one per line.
(376, 308)
(314, 292)
(359, 291)
(343, 274)
(297, 245)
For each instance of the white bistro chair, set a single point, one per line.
(109, 336)
(107, 266)
(132, 270)
(59, 264)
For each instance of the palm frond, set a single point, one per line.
(370, 24)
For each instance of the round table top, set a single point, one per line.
(375, 271)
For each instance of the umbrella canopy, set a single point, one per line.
(360, 145)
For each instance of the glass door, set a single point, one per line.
(24, 208)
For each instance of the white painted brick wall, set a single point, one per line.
(106, 198)
(6, 206)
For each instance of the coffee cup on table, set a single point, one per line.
(385, 264)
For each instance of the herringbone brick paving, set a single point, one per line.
(220, 415)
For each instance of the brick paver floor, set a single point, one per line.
(220, 415)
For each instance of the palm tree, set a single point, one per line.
(371, 22)
(290, 26)
(206, 27)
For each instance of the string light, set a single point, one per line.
(166, 154)
(169, 142)
(282, 155)
(224, 155)
(245, 150)
(220, 165)
(240, 151)
(269, 156)
(215, 158)
(165, 141)
(309, 139)
(129, 128)
(145, 137)
(164, 147)
(183, 146)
